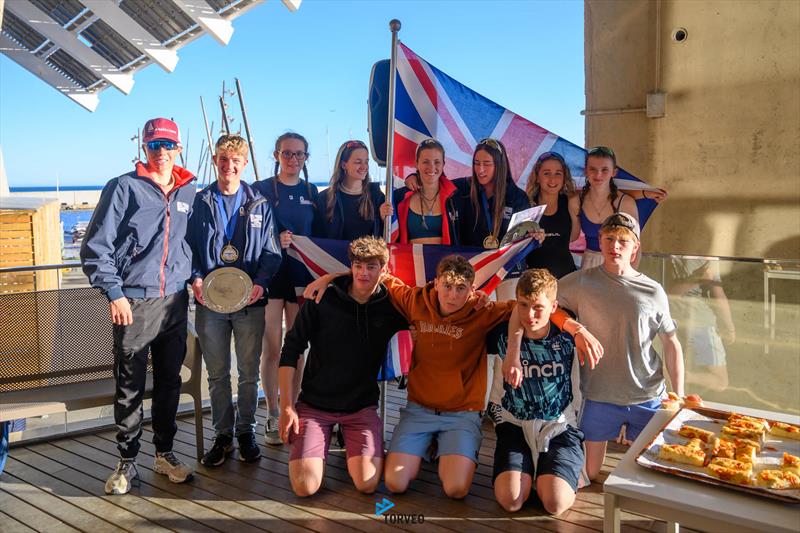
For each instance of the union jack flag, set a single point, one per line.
(429, 103)
(415, 264)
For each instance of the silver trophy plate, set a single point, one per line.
(227, 289)
(519, 231)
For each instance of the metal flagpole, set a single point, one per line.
(394, 26)
(247, 128)
(224, 116)
(208, 134)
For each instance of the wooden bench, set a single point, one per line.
(56, 356)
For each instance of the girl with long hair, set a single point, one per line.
(428, 214)
(550, 184)
(293, 202)
(600, 199)
(352, 206)
(492, 196)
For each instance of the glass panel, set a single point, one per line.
(739, 326)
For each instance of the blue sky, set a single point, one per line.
(308, 72)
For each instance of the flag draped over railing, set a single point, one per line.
(429, 103)
(415, 264)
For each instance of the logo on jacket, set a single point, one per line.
(443, 329)
(183, 207)
(255, 220)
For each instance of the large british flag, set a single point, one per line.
(429, 103)
(415, 264)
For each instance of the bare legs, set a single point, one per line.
(273, 339)
(306, 474)
(455, 472)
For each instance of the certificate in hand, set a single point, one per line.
(533, 214)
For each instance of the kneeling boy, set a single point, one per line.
(447, 382)
(348, 330)
(536, 422)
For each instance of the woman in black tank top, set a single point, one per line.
(551, 183)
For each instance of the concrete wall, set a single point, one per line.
(728, 149)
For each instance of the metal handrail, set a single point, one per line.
(31, 268)
(661, 255)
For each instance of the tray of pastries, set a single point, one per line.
(729, 449)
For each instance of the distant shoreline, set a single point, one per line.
(74, 188)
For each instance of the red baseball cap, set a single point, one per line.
(163, 129)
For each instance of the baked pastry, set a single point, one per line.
(788, 431)
(678, 453)
(777, 479)
(791, 463)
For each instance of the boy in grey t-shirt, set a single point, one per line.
(625, 310)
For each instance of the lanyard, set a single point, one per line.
(486, 213)
(228, 219)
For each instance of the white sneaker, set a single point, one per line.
(123, 477)
(271, 434)
(167, 463)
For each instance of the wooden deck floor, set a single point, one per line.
(58, 486)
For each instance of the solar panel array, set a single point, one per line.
(81, 47)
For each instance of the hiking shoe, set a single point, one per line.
(123, 477)
(167, 463)
(222, 448)
(271, 434)
(249, 451)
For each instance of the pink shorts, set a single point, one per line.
(362, 430)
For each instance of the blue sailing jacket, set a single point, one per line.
(254, 237)
(135, 242)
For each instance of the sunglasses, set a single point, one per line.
(299, 155)
(491, 142)
(603, 151)
(154, 146)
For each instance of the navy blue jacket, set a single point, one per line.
(135, 243)
(254, 237)
(334, 229)
(473, 226)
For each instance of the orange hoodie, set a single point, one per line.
(448, 368)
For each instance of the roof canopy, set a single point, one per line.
(81, 47)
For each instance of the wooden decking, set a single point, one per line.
(58, 486)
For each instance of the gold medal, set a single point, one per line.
(229, 253)
(490, 242)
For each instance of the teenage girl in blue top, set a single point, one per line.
(600, 199)
(293, 203)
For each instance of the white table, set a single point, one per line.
(690, 503)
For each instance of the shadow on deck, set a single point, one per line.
(58, 486)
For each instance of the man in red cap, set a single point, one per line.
(134, 252)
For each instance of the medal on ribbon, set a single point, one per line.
(229, 253)
(491, 241)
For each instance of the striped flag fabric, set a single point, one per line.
(429, 103)
(415, 264)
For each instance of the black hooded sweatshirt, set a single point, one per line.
(348, 345)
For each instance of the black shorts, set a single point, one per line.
(281, 287)
(564, 457)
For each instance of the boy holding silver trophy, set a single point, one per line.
(235, 254)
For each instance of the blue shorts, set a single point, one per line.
(602, 421)
(564, 457)
(456, 433)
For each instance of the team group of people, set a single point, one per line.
(531, 359)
